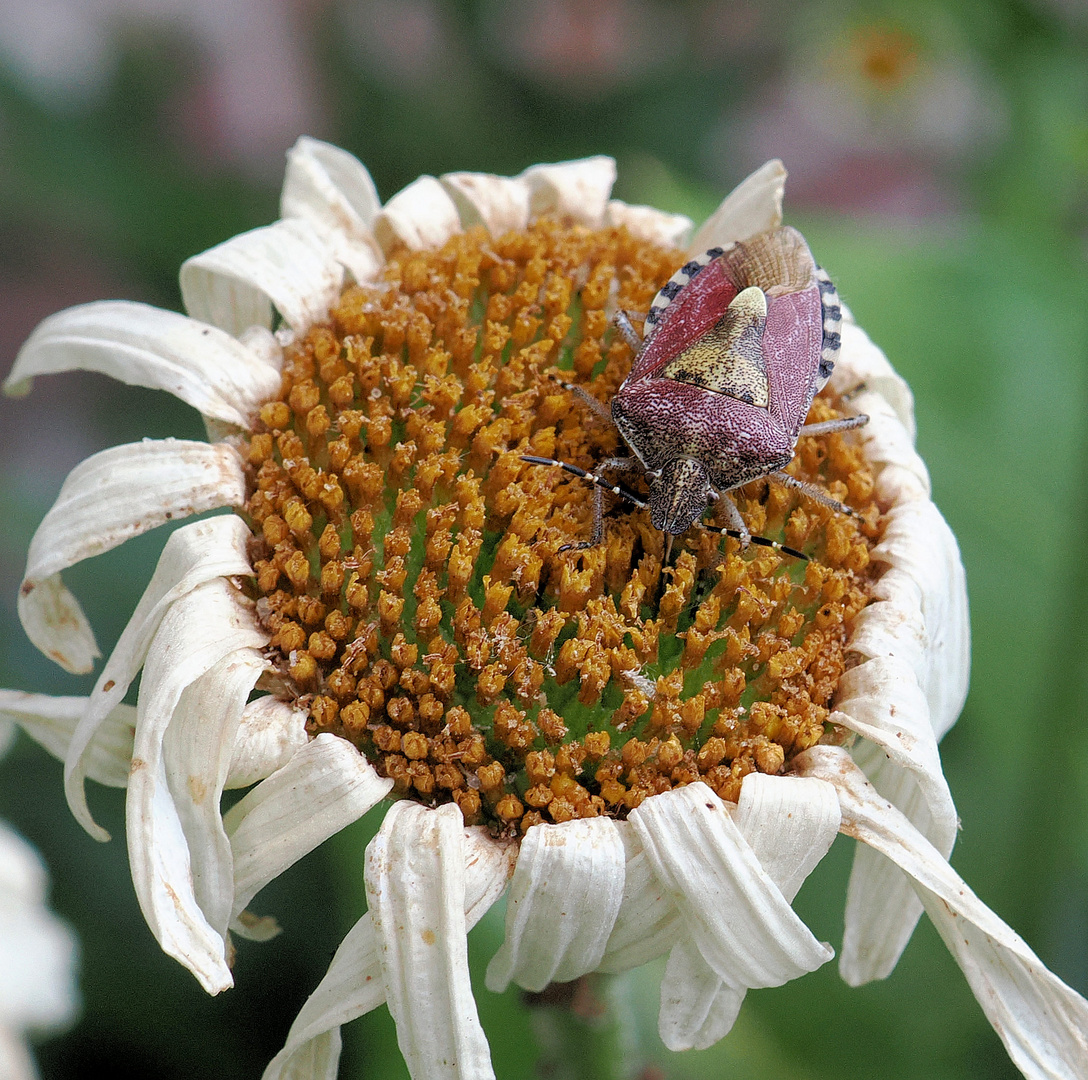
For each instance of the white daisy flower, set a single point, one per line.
(37, 951)
(650, 751)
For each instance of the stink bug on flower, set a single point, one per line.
(737, 344)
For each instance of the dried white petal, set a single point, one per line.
(499, 203)
(197, 749)
(563, 901)
(146, 346)
(753, 206)
(415, 890)
(421, 216)
(649, 224)
(332, 190)
(1041, 1021)
(578, 190)
(52, 721)
(106, 500)
(288, 265)
(271, 733)
(862, 364)
(192, 555)
(648, 923)
(324, 787)
(789, 824)
(735, 913)
(353, 985)
(201, 628)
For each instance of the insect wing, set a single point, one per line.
(692, 313)
(792, 344)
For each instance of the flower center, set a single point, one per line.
(409, 563)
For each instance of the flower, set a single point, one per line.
(37, 951)
(649, 753)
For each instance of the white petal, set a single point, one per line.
(197, 749)
(1041, 1021)
(16, 1061)
(697, 1008)
(415, 890)
(881, 700)
(146, 346)
(861, 362)
(37, 951)
(52, 721)
(332, 190)
(789, 824)
(289, 266)
(326, 786)
(649, 224)
(106, 500)
(563, 901)
(737, 916)
(421, 217)
(271, 733)
(572, 189)
(199, 630)
(918, 542)
(192, 555)
(648, 923)
(353, 985)
(753, 206)
(499, 203)
(329, 185)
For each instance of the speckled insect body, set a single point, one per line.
(737, 343)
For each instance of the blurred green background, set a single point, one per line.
(939, 167)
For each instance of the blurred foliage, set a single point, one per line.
(982, 307)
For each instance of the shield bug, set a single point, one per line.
(736, 345)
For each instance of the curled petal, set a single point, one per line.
(789, 824)
(862, 364)
(918, 543)
(271, 733)
(353, 985)
(415, 890)
(324, 787)
(146, 346)
(649, 224)
(106, 500)
(648, 923)
(881, 700)
(289, 266)
(697, 1008)
(738, 917)
(1041, 1021)
(327, 184)
(200, 630)
(499, 203)
(52, 721)
(332, 190)
(421, 216)
(197, 750)
(572, 189)
(193, 554)
(563, 901)
(753, 206)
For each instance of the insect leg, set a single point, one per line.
(736, 522)
(813, 492)
(623, 324)
(580, 391)
(602, 486)
(829, 427)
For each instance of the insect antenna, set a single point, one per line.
(631, 497)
